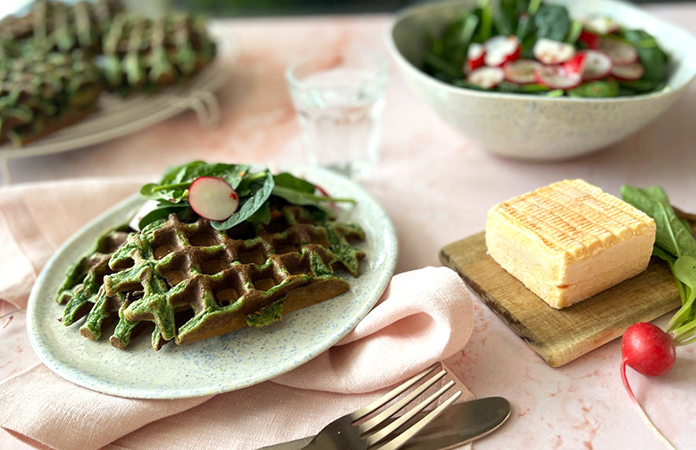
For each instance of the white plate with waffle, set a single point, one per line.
(118, 116)
(220, 364)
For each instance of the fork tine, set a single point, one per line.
(384, 432)
(365, 410)
(403, 438)
(379, 418)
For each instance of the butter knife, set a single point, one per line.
(457, 425)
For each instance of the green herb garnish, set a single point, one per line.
(675, 244)
(256, 191)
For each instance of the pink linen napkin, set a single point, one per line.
(424, 316)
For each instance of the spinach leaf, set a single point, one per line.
(302, 198)
(596, 89)
(685, 271)
(526, 33)
(574, 32)
(552, 22)
(642, 86)
(675, 244)
(442, 68)
(465, 84)
(485, 27)
(532, 88)
(173, 187)
(292, 182)
(259, 191)
(672, 235)
(262, 215)
(651, 56)
(163, 211)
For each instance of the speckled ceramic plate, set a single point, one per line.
(225, 363)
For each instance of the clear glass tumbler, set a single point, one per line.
(339, 102)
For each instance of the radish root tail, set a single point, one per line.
(640, 408)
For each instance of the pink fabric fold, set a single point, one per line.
(424, 316)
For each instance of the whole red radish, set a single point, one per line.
(650, 351)
(213, 198)
(647, 349)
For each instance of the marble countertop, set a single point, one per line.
(437, 186)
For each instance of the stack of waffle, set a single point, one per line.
(55, 26)
(93, 46)
(188, 281)
(142, 53)
(41, 95)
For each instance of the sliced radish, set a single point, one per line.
(213, 198)
(630, 72)
(553, 52)
(521, 71)
(621, 53)
(576, 64)
(557, 77)
(601, 25)
(597, 65)
(590, 40)
(501, 49)
(486, 77)
(475, 57)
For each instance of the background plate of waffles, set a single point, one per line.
(78, 74)
(223, 363)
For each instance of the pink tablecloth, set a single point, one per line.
(437, 187)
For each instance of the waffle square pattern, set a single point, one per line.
(187, 281)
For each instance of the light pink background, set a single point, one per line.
(437, 187)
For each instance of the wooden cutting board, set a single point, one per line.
(560, 336)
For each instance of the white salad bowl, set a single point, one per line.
(536, 127)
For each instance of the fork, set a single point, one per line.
(344, 434)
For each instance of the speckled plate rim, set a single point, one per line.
(221, 364)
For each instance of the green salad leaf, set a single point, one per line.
(674, 244)
(445, 56)
(552, 22)
(596, 89)
(256, 190)
(256, 194)
(651, 56)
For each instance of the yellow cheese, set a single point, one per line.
(569, 241)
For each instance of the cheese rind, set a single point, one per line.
(569, 241)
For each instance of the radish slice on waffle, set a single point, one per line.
(486, 77)
(213, 198)
(553, 52)
(521, 71)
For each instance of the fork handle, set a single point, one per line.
(336, 441)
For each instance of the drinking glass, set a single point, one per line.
(339, 102)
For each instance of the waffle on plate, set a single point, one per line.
(184, 280)
(57, 59)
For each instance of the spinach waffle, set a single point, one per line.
(81, 50)
(188, 281)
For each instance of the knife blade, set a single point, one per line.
(457, 425)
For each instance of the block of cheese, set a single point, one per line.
(569, 240)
